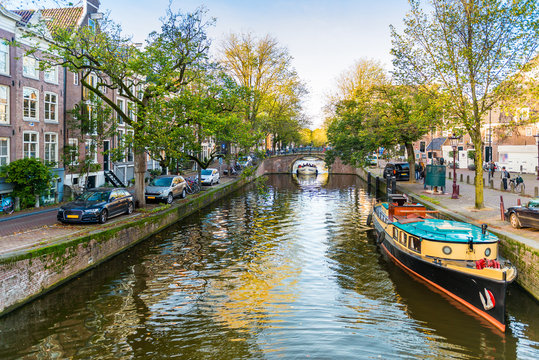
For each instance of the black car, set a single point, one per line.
(524, 216)
(97, 205)
(401, 170)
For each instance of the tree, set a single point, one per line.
(273, 89)
(30, 178)
(319, 137)
(471, 49)
(171, 59)
(91, 122)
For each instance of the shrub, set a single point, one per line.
(30, 177)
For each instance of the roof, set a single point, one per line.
(436, 143)
(63, 18)
(24, 14)
(447, 231)
(60, 18)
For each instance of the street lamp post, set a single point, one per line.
(536, 136)
(454, 140)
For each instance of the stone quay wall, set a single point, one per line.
(27, 274)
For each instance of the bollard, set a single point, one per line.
(17, 203)
(450, 174)
(393, 185)
(522, 191)
(461, 177)
(376, 186)
(491, 185)
(536, 192)
(518, 202)
(467, 179)
(502, 208)
(484, 181)
(501, 185)
(388, 187)
(369, 180)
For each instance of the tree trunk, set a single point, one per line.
(140, 172)
(478, 172)
(411, 160)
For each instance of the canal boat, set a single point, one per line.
(307, 169)
(460, 259)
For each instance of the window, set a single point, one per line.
(121, 141)
(4, 105)
(403, 238)
(30, 144)
(30, 67)
(120, 104)
(130, 154)
(130, 111)
(529, 131)
(75, 78)
(91, 24)
(73, 151)
(4, 57)
(395, 233)
(51, 147)
(422, 146)
(51, 75)
(91, 150)
(414, 244)
(51, 107)
(30, 104)
(4, 151)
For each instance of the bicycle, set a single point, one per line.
(7, 206)
(517, 184)
(192, 185)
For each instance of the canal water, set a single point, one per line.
(281, 271)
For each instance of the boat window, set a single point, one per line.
(404, 238)
(395, 233)
(414, 244)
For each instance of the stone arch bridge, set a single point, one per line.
(283, 164)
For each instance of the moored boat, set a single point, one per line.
(307, 169)
(460, 259)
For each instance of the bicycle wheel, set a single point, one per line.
(197, 187)
(190, 189)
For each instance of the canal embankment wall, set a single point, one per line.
(520, 251)
(29, 273)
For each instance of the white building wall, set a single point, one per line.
(518, 158)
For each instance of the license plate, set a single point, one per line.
(72, 216)
(151, 197)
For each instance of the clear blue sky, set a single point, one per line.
(325, 37)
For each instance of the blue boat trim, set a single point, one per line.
(447, 231)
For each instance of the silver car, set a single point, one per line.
(166, 188)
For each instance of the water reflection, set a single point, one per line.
(288, 273)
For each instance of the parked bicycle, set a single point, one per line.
(192, 185)
(517, 184)
(7, 206)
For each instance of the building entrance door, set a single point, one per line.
(106, 155)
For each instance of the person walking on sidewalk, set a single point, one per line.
(505, 176)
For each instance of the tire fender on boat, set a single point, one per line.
(369, 220)
(381, 237)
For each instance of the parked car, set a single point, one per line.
(166, 188)
(524, 216)
(209, 176)
(401, 170)
(97, 205)
(245, 161)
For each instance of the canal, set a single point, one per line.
(281, 270)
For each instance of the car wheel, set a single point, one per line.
(103, 216)
(184, 194)
(515, 222)
(218, 181)
(130, 208)
(170, 198)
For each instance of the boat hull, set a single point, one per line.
(471, 291)
(308, 170)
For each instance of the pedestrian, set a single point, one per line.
(417, 169)
(505, 176)
(441, 161)
(492, 169)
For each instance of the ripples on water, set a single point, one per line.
(290, 273)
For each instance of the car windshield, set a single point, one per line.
(165, 182)
(402, 166)
(206, 172)
(94, 196)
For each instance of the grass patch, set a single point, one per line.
(429, 199)
(154, 210)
